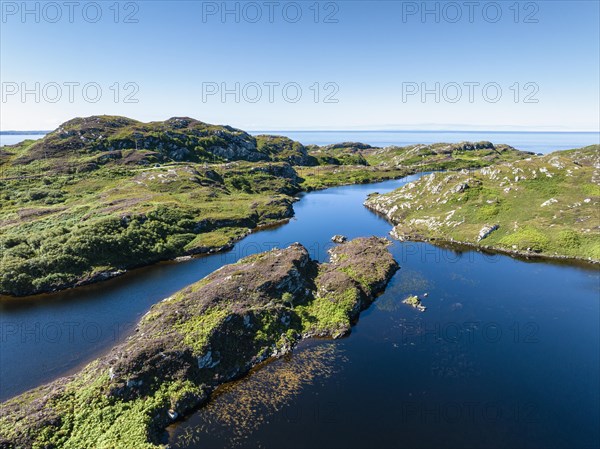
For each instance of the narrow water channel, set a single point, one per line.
(51, 335)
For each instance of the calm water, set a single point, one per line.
(506, 355)
(11, 139)
(50, 335)
(539, 142)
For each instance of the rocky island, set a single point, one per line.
(209, 333)
(541, 206)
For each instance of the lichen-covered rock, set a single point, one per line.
(485, 231)
(338, 238)
(208, 333)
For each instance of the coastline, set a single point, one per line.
(107, 275)
(456, 244)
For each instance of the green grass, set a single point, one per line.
(546, 205)
(60, 229)
(322, 177)
(329, 314)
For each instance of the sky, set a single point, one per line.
(305, 65)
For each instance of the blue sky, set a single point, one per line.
(370, 60)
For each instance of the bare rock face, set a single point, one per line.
(338, 238)
(206, 334)
(485, 231)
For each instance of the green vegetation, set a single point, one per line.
(104, 194)
(64, 229)
(443, 156)
(322, 177)
(348, 153)
(201, 337)
(281, 148)
(356, 163)
(330, 311)
(546, 205)
(415, 302)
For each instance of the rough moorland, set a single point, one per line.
(206, 334)
(544, 205)
(65, 229)
(104, 194)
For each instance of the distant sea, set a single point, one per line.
(539, 142)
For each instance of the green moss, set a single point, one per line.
(527, 237)
(215, 239)
(329, 313)
(90, 420)
(198, 329)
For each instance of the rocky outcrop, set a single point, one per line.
(444, 156)
(485, 231)
(175, 139)
(415, 302)
(206, 334)
(350, 146)
(338, 238)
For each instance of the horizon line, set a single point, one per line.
(38, 132)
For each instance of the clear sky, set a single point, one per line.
(345, 65)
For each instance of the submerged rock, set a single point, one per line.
(206, 334)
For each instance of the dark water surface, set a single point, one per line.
(507, 353)
(48, 336)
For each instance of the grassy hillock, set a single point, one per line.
(280, 148)
(543, 205)
(97, 140)
(324, 176)
(346, 153)
(204, 335)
